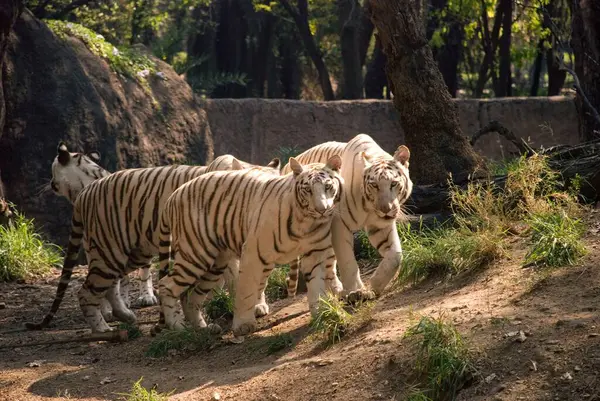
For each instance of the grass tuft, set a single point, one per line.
(442, 360)
(23, 252)
(279, 342)
(276, 284)
(556, 239)
(334, 319)
(220, 306)
(133, 331)
(140, 393)
(187, 339)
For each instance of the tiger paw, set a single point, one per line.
(243, 329)
(125, 315)
(146, 300)
(108, 316)
(261, 310)
(359, 296)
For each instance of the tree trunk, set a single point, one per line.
(9, 12)
(428, 114)
(300, 17)
(375, 79)
(586, 46)
(537, 69)
(490, 43)
(349, 18)
(291, 69)
(365, 32)
(504, 84)
(556, 76)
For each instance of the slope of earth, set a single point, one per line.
(558, 360)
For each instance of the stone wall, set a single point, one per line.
(255, 129)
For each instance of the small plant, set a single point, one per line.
(333, 321)
(220, 306)
(285, 152)
(133, 331)
(187, 339)
(23, 252)
(556, 240)
(442, 361)
(276, 284)
(279, 342)
(363, 248)
(140, 393)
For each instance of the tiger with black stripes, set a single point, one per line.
(259, 218)
(116, 218)
(377, 184)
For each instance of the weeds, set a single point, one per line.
(333, 321)
(442, 361)
(220, 306)
(187, 339)
(556, 240)
(140, 393)
(279, 342)
(285, 152)
(133, 331)
(23, 252)
(276, 284)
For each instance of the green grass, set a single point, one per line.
(220, 306)
(23, 252)
(442, 362)
(125, 61)
(556, 240)
(187, 339)
(140, 393)
(285, 152)
(333, 320)
(279, 342)
(276, 285)
(444, 251)
(133, 331)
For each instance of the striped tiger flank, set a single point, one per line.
(259, 218)
(118, 216)
(377, 185)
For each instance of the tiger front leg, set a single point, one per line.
(252, 273)
(387, 242)
(313, 267)
(262, 308)
(192, 302)
(147, 297)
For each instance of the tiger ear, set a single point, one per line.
(63, 153)
(402, 155)
(366, 159)
(94, 155)
(335, 163)
(236, 165)
(295, 166)
(275, 163)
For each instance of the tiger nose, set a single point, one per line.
(385, 207)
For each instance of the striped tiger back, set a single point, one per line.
(260, 218)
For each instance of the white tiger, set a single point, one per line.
(376, 186)
(261, 218)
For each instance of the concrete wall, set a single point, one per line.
(254, 129)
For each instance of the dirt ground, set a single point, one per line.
(559, 359)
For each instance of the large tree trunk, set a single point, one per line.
(349, 12)
(490, 43)
(586, 46)
(9, 12)
(366, 32)
(375, 79)
(300, 17)
(537, 69)
(504, 83)
(428, 114)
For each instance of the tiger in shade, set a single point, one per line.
(259, 218)
(376, 186)
(117, 218)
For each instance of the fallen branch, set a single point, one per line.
(495, 126)
(117, 336)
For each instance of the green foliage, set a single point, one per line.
(23, 252)
(140, 393)
(333, 321)
(285, 152)
(220, 306)
(276, 284)
(125, 61)
(556, 239)
(365, 250)
(445, 251)
(442, 361)
(279, 342)
(187, 339)
(133, 331)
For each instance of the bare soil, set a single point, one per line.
(558, 311)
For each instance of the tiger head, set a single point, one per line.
(71, 172)
(386, 183)
(271, 168)
(318, 187)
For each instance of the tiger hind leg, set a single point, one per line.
(193, 301)
(147, 297)
(292, 278)
(124, 285)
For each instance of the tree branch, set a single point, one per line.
(495, 126)
(580, 92)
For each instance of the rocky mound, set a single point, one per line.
(67, 83)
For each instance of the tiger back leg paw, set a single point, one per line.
(358, 296)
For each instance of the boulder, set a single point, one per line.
(55, 89)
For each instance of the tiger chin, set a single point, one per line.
(261, 219)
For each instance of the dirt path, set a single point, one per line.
(559, 360)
